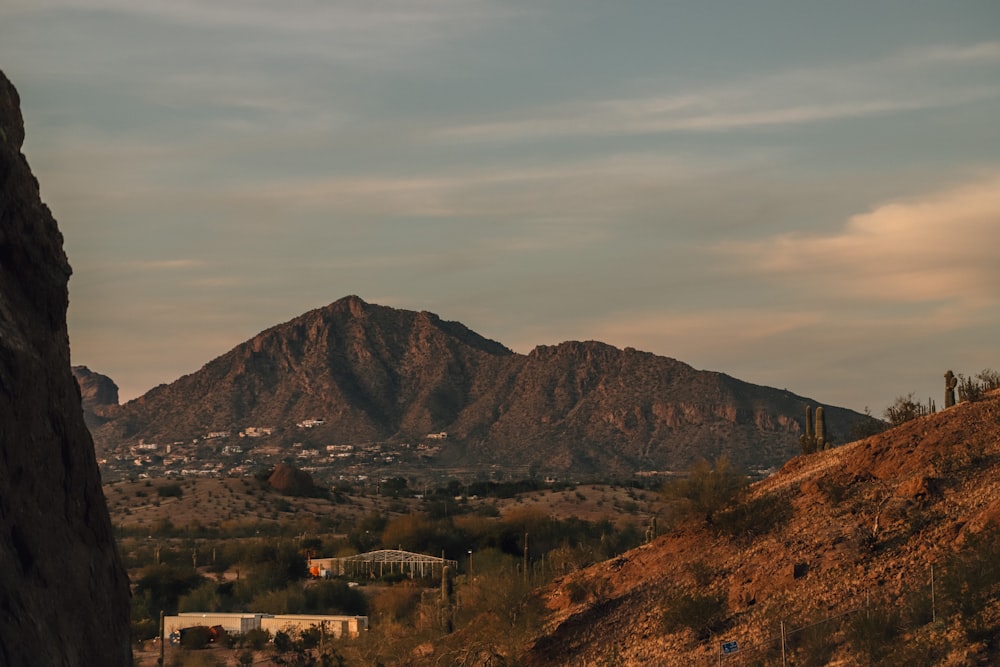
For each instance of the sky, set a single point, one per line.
(804, 195)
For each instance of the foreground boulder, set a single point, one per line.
(64, 596)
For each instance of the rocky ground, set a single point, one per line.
(867, 522)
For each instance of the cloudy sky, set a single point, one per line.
(804, 195)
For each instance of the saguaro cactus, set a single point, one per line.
(821, 442)
(950, 382)
(814, 439)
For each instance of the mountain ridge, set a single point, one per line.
(369, 373)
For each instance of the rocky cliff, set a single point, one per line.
(64, 596)
(99, 394)
(373, 373)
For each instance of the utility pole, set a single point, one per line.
(933, 601)
(159, 662)
(525, 558)
(783, 643)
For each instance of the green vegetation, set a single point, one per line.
(260, 565)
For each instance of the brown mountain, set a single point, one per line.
(881, 552)
(64, 596)
(373, 373)
(99, 395)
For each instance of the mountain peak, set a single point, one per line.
(362, 372)
(351, 304)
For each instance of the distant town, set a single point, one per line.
(256, 449)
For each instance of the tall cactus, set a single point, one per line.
(814, 439)
(950, 382)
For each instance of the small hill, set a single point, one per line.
(358, 373)
(836, 550)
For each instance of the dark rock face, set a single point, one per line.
(99, 394)
(64, 596)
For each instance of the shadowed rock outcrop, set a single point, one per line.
(64, 597)
(99, 394)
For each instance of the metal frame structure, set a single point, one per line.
(374, 564)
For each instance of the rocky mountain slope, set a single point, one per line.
(839, 557)
(64, 597)
(373, 373)
(99, 394)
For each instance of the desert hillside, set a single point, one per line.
(836, 551)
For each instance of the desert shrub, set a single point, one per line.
(904, 409)
(310, 637)
(564, 559)
(144, 628)
(702, 573)
(917, 609)
(755, 516)
(396, 603)
(325, 597)
(702, 613)
(256, 639)
(283, 642)
(196, 659)
(161, 586)
(971, 581)
(870, 632)
(708, 487)
(202, 598)
(289, 600)
(989, 379)
(833, 490)
(864, 428)
(814, 645)
(170, 491)
(196, 637)
(577, 592)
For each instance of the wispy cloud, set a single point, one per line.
(939, 246)
(792, 97)
(354, 31)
